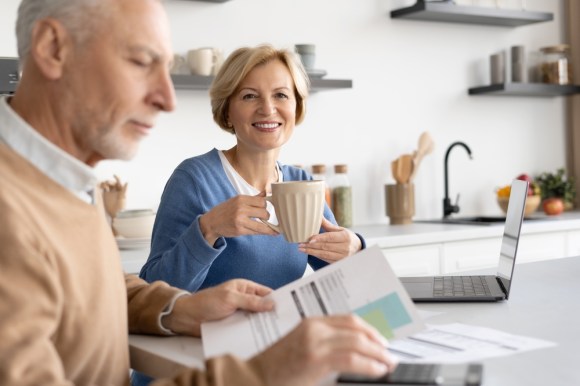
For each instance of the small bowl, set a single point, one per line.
(532, 204)
(136, 226)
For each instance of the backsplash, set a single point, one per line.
(408, 77)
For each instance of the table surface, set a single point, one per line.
(544, 303)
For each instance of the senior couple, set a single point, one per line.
(95, 75)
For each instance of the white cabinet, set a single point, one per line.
(133, 259)
(470, 255)
(479, 253)
(542, 246)
(414, 261)
(573, 243)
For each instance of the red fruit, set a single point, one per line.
(553, 206)
(524, 177)
(530, 191)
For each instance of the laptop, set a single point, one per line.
(485, 288)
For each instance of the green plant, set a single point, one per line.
(557, 185)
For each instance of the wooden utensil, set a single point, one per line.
(426, 146)
(114, 193)
(405, 168)
(395, 171)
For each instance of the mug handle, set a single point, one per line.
(272, 226)
(218, 60)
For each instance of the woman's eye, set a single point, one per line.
(249, 96)
(281, 95)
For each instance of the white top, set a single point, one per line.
(242, 186)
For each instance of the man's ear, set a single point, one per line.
(50, 45)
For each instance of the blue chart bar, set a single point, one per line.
(385, 314)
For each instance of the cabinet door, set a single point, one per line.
(134, 260)
(542, 246)
(471, 255)
(573, 243)
(414, 261)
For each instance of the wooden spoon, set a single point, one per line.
(406, 168)
(395, 171)
(426, 146)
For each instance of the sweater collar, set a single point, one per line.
(57, 164)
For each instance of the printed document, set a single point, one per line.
(363, 283)
(459, 343)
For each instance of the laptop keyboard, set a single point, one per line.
(460, 286)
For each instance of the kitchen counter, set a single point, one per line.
(390, 237)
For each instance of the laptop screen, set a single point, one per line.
(511, 233)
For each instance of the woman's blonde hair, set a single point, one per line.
(236, 68)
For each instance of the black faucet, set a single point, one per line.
(448, 208)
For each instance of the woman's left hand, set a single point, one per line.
(334, 244)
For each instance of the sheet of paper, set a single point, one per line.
(363, 283)
(457, 343)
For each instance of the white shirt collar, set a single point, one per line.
(57, 164)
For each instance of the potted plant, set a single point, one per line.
(558, 191)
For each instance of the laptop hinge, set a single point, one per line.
(498, 279)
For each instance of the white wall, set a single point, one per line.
(408, 76)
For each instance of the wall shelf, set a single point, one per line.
(198, 82)
(526, 89)
(447, 11)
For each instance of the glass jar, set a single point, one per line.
(319, 173)
(555, 66)
(341, 196)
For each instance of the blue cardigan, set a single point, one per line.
(183, 258)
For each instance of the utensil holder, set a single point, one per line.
(400, 203)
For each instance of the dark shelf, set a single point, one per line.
(526, 89)
(9, 75)
(191, 82)
(198, 82)
(447, 11)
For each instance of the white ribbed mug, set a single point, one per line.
(202, 61)
(299, 207)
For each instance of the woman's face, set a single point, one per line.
(263, 110)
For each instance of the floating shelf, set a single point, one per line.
(198, 82)
(447, 11)
(526, 89)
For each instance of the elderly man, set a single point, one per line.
(95, 76)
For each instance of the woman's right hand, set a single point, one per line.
(236, 217)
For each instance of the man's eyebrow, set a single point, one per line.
(137, 49)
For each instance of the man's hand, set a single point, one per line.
(320, 346)
(216, 303)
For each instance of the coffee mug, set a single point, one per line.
(179, 65)
(307, 53)
(202, 61)
(299, 206)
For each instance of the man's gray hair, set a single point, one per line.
(78, 16)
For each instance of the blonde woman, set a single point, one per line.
(206, 230)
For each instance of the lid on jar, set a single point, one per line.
(555, 49)
(318, 169)
(340, 168)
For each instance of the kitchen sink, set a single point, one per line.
(473, 220)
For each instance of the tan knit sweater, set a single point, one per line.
(65, 305)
